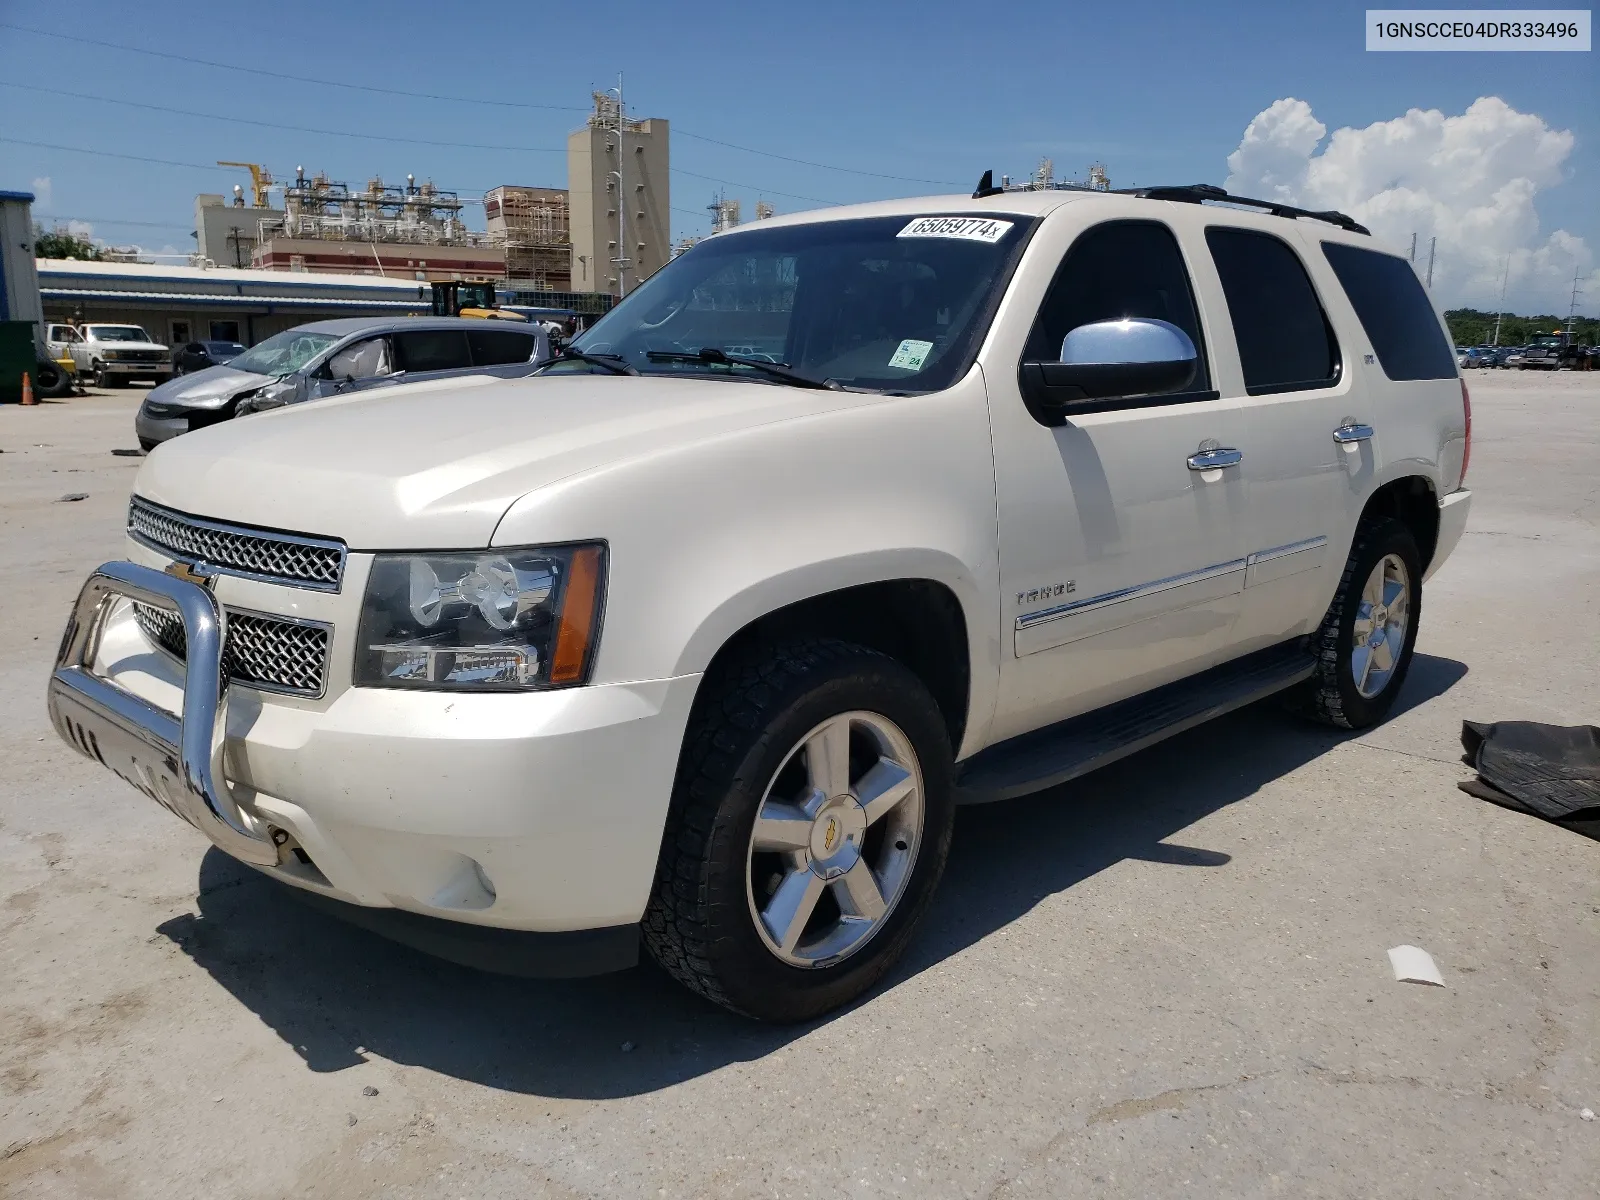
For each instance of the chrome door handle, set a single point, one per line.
(1211, 460)
(1346, 435)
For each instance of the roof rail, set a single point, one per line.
(1199, 193)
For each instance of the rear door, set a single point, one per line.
(1120, 566)
(507, 352)
(1293, 391)
(431, 353)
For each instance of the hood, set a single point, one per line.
(435, 465)
(210, 388)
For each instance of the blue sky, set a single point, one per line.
(931, 91)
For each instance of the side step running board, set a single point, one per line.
(1041, 759)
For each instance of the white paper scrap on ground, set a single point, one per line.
(1412, 964)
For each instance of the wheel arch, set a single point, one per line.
(1412, 500)
(918, 620)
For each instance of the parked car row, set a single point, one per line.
(1544, 353)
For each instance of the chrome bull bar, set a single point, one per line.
(175, 761)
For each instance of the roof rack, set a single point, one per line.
(1198, 193)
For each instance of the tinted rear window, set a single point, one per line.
(1285, 341)
(497, 347)
(1394, 310)
(432, 350)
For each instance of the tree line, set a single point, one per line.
(1469, 327)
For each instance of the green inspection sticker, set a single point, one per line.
(911, 355)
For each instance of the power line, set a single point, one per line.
(382, 91)
(754, 188)
(139, 158)
(44, 216)
(282, 75)
(184, 112)
(806, 162)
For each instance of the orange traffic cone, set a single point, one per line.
(27, 390)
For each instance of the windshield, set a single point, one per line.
(284, 353)
(228, 349)
(117, 333)
(882, 303)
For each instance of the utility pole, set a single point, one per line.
(622, 261)
(1572, 309)
(1501, 312)
(1413, 246)
(1433, 244)
(238, 256)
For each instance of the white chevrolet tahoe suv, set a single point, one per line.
(698, 649)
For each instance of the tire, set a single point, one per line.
(1340, 693)
(748, 746)
(148, 444)
(50, 381)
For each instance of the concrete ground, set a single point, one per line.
(1169, 979)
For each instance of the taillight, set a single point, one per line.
(1466, 451)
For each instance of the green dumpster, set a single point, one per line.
(16, 356)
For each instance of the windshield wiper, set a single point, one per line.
(614, 363)
(711, 354)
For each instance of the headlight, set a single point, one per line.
(490, 620)
(111, 355)
(273, 395)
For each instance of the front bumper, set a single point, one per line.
(536, 812)
(158, 429)
(137, 370)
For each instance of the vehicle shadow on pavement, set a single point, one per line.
(336, 993)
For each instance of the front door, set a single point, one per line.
(1120, 564)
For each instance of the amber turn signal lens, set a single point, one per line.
(580, 606)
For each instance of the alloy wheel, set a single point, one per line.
(835, 839)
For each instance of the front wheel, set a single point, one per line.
(1364, 646)
(809, 827)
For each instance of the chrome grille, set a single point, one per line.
(238, 549)
(261, 651)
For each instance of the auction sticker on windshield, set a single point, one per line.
(911, 355)
(967, 229)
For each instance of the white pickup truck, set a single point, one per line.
(696, 649)
(110, 355)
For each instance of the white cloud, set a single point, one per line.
(1470, 180)
(81, 228)
(42, 192)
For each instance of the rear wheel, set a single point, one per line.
(1364, 646)
(810, 824)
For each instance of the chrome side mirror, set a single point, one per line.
(1132, 340)
(1107, 361)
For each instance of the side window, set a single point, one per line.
(362, 360)
(498, 347)
(1285, 341)
(1116, 270)
(432, 350)
(1395, 312)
